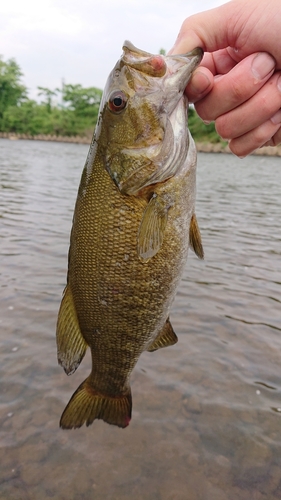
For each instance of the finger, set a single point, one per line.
(252, 113)
(202, 80)
(276, 138)
(201, 83)
(221, 61)
(260, 136)
(237, 86)
(242, 25)
(207, 30)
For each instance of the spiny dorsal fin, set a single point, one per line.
(152, 227)
(195, 238)
(165, 338)
(71, 345)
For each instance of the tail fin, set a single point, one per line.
(86, 405)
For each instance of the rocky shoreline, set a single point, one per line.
(203, 147)
(208, 147)
(43, 137)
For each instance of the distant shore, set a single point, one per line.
(203, 147)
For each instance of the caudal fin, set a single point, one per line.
(86, 405)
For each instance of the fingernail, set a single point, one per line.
(262, 65)
(276, 119)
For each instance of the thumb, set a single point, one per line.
(211, 30)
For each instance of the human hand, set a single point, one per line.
(238, 84)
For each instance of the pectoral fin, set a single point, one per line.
(152, 228)
(195, 238)
(70, 342)
(166, 338)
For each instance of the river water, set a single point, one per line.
(206, 412)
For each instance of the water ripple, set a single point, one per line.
(210, 405)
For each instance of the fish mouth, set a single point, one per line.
(152, 65)
(131, 51)
(155, 65)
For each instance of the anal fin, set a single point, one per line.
(71, 345)
(165, 338)
(195, 238)
(86, 405)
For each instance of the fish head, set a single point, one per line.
(142, 130)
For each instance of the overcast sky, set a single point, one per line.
(80, 40)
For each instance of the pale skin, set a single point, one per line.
(238, 84)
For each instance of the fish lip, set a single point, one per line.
(194, 57)
(159, 65)
(140, 60)
(155, 65)
(184, 65)
(197, 52)
(127, 45)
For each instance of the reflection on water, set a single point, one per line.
(206, 412)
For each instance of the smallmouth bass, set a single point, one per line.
(133, 222)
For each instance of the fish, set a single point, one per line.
(133, 222)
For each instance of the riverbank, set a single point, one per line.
(43, 137)
(208, 147)
(202, 147)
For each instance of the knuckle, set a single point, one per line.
(238, 92)
(266, 105)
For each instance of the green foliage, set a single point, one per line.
(12, 92)
(78, 117)
(33, 119)
(19, 114)
(199, 130)
(84, 101)
(23, 118)
(48, 95)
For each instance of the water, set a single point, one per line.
(207, 412)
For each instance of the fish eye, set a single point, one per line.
(117, 101)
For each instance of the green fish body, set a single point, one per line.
(133, 222)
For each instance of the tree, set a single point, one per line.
(48, 95)
(12, 92)
(28, 118)
(84, 101)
